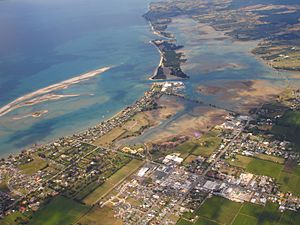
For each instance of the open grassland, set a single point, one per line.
(137, 123)
(131, 128)
(257, 166)
(185, 149)
(207, 144)
(112, 181)
(100, 216)
(263, 167)
(270, 158)
(60, 211)
(189, 159)
(111, 136)
(221, 211)
(34, 166)
(203, 146)
(240, 161)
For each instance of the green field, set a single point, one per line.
(203, 221)
(112, 181)
(33, 166)
(14, 219)
(219, 209)
(100, 216)
(207, 144)
(270, 158)
(264, 215)
(183, 222)
(257, 166)
(263, 167)
(108, 138)
(60, 211)
(290, 181)
(290, 218)
(240, 161)
(186, 148)
(242, 219)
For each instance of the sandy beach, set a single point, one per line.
(45, 94)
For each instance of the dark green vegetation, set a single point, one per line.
(171, 60)
(60, 211)
(184, 222)
(289, 180)
(242, 219)
(220, 211)
(288, 126)
(14, 219)
(274, 23)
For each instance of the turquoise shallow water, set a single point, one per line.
(46, 42)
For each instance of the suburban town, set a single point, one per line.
(160, 186)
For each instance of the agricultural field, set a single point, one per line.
(203, 221)
(263, 167)
(289, 180)
(221, 211)
(61, 210)
(34, 166)
(100, 216)
(112, 181)
(257, 166)
(242, 219)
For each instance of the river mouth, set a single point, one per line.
(223, 72)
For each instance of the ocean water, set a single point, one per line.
(46, 42)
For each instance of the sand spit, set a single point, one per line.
(45, 94)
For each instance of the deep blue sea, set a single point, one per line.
(49, 41)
